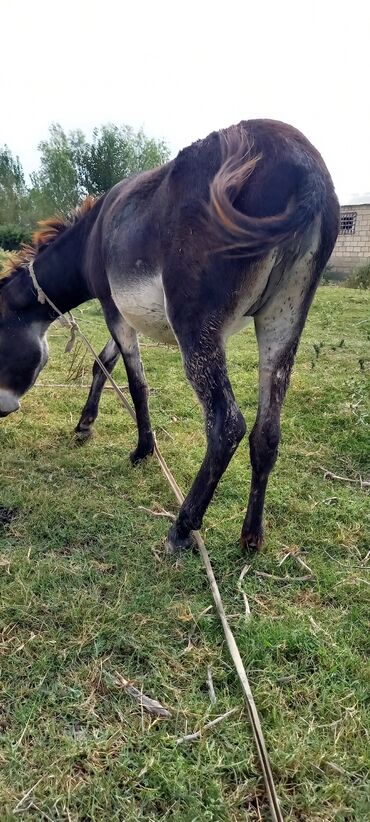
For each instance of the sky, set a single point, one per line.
(183, 69)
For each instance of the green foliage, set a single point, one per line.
(332, 276)
(70, 168)
(115, 153)
(3, 258)
(56, 183)
(87, 595)
(325, 277)
(12, 188)
(12, 236)
(360, 278)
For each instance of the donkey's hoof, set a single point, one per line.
(175, 544)
(83, 434)
(251, 541)
(144, 449)
(139, 455)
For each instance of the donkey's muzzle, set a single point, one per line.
(8, 403)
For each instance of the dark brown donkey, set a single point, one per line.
(239, 225)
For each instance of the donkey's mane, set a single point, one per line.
(46, 233)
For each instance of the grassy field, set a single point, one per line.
(87, 596)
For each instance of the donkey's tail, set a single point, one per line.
(232, 230)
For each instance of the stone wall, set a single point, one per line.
(352, 249)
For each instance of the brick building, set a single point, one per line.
(352, 248)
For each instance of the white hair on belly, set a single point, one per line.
(142, 304)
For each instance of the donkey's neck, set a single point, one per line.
(59, 269)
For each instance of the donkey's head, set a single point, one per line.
(23, 322)
(23, 353)
(23, 346)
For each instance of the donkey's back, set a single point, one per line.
(213, 229)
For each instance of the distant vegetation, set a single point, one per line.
(71, 167)
(3, 256)
(360, 278)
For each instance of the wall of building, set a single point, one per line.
(353, 249)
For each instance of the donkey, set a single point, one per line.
(239, 225)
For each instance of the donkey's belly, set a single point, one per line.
(141, 303)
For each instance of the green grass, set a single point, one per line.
(86, 592)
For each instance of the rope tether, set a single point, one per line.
(72, 323)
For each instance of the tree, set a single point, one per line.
(114, 153)
(70, 168)
(12, 188)
(56, 185)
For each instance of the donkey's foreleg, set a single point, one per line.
(205, 367)
(109, 356)
(127, 342)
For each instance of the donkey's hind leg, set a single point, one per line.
(205, 366)
(278, 326)
(109, 356)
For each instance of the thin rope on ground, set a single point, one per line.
(273, 799)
